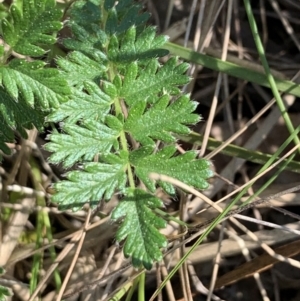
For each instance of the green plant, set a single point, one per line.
(118, 108)
(28, 89)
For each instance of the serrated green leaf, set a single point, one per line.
(122, 16)
(161, 120)
(114, 123)
(96, 181)
(92, 43)
(140, 228)
(109, 89)
(85, 13)
(136, 47)
(94, 105)
(42, 86)
(184, 167)
(81, 142)
(78, 68)
(33, 27)
(153, 81)
(16, 116)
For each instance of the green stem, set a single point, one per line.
(170, 217)
(141, 293)
(132, 290)
(43, 220)
(123, 140)
(269, 76)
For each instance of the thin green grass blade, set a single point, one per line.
(44, 222)
(238, 151)
(270, 181)
(229, 207)
(232, 69)
(271, 161)
(271, 80)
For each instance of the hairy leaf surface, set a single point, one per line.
(85, 13)
(37, 85)
(78, 68)
(81, 142)
(184, 167)
(33, 27)
(123, 102)
(140, 227)
(94, 105)
(123, 16)
(95, 181)
(161, 120)
(136, 47)
(92, 43)
(153, 81)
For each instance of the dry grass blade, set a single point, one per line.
(258, 264)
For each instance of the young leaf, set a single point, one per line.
(122, 16)
(81, 142)
(85, 13)
(95, 181)
(140, 227)
(185, 167)
(161, 120)
(153, 80)
(136, 47)
(33, 27)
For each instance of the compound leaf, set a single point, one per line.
(161, 120)
(140, 227)
(122, 95)
(31, 29)
(184, 167)
(95, 181)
